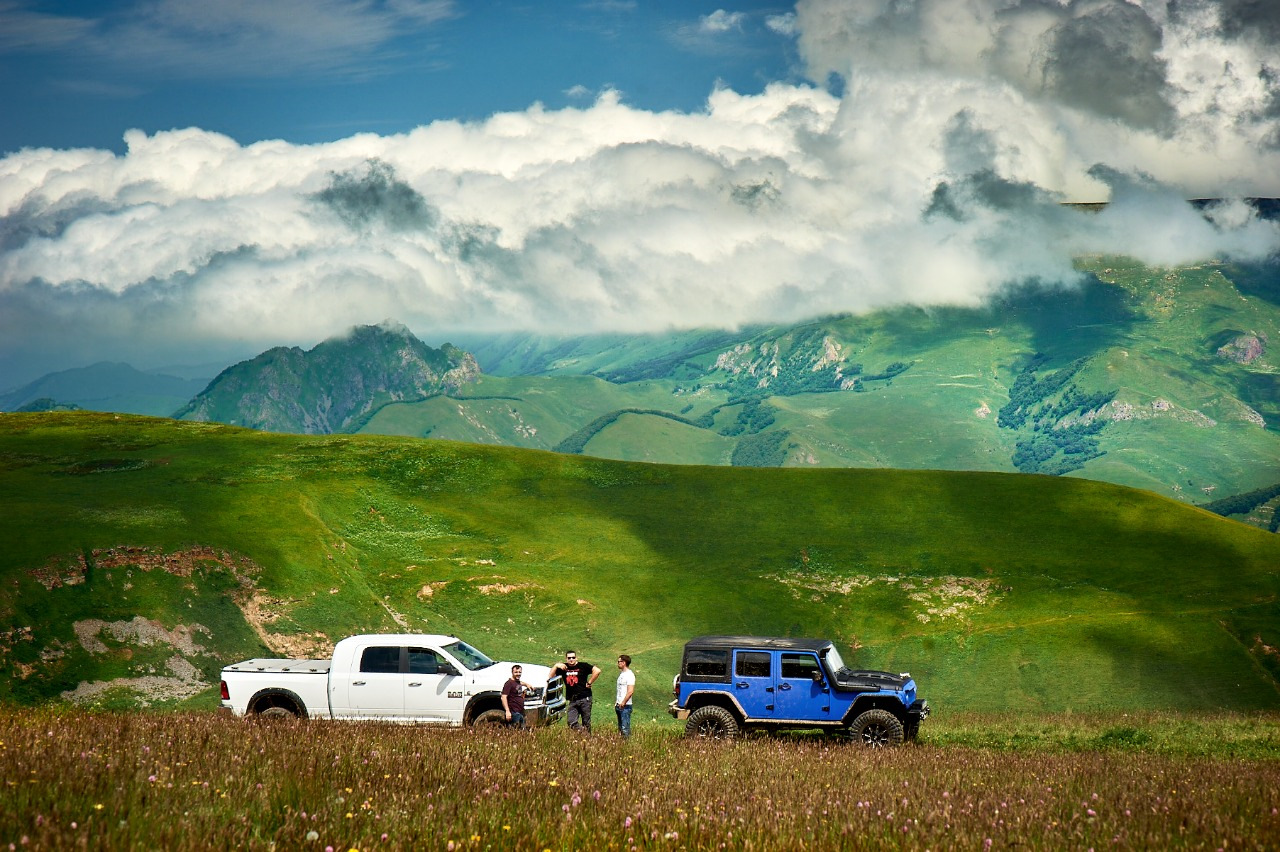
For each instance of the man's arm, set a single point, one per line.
(506, 707)
(595, 673)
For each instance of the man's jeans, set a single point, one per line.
(580, 714)
(517, 720)
(624, 719)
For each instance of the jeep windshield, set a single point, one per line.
(468, 656)
(833, 658)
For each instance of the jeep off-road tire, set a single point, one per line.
(490, 717)
(877, 729)
(711, 722)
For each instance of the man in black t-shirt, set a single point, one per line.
(578, 677)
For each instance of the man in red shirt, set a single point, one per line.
(513, 698)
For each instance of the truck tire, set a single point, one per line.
(877, 729)
(278, 712)
(711, 722)
(490, 717)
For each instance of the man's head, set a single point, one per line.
(571, 657)
(515, 672)
(624, 661)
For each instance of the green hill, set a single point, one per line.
(1161, 379)
(141, 555)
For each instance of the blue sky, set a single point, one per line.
(78, 74)
(187, 181)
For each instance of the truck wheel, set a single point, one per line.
(711, 722)
(278, 712)
(877, 729)
(490, 717)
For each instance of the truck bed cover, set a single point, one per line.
(281, 666)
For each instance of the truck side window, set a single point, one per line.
(706, 665)
(753, 664)
(423, 661)
(379, 659)
(799, 666)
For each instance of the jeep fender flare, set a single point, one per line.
(875, 701)
(275, 696)
(480, 702)
(703, 697)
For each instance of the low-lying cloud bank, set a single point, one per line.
(935, 176)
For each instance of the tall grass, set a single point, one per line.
(196, 781)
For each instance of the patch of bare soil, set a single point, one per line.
(261, 609)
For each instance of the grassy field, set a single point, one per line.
(196, 780)
(142, 555)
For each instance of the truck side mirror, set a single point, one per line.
(447, 669)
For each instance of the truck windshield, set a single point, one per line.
(468, 656)
(833, 658)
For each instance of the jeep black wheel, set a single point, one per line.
(712, 722)
(877, 729)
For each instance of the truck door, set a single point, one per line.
(799, 695)
(429, 693)
(753, 683)
(376, 688)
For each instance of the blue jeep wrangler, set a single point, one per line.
(728, 684)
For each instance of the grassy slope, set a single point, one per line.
(1096, 596)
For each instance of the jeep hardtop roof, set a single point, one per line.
(773, 643)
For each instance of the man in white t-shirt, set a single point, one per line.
(626, 689)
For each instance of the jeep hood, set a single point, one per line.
(870, 680)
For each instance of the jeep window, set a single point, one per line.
(423, 661)
(753, 664)
(468, 656)
(706, 665)
(833, 659)
(380, 660)
(799, 666)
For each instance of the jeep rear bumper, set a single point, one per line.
(677, 712)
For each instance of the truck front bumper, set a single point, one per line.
(536, 717)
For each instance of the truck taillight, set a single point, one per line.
(226, 696)
(675, 686)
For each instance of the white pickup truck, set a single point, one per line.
(393, 677)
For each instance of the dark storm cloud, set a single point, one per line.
(374, 195)
(1243, 18)
(1104, 60)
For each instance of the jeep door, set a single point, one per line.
(753, 684)
(427, 688)
(801, 697)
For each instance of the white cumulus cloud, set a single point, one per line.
(935, 176)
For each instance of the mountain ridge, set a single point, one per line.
(333, 387)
